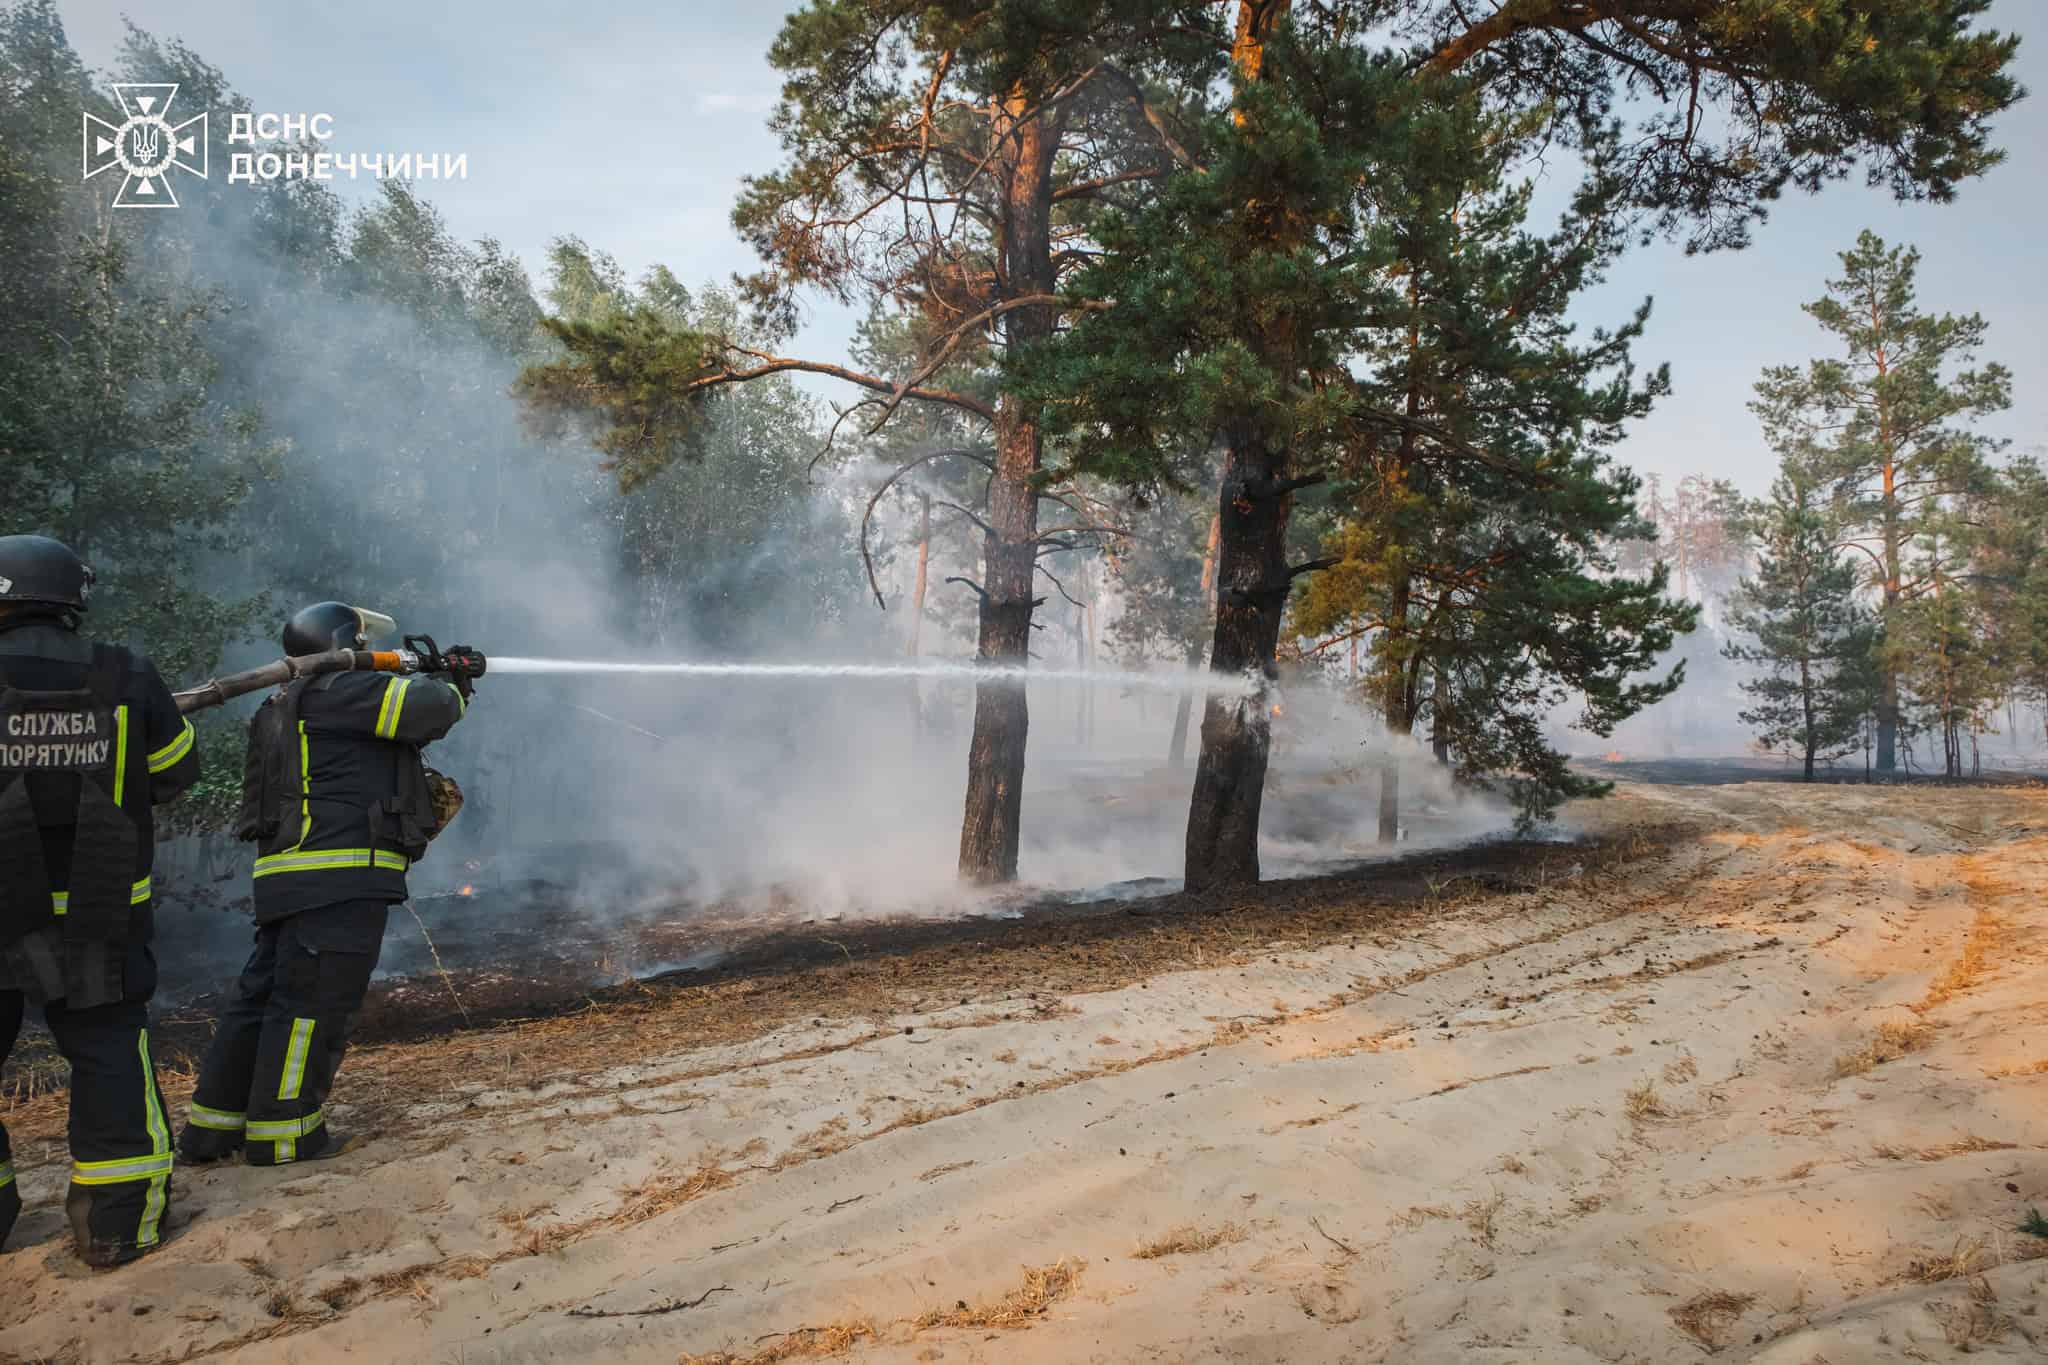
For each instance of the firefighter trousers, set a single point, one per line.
(120, 1137)
(280, 1038)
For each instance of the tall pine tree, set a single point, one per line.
(1805, 631)
(1885, 429)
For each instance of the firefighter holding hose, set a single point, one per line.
(339, 803)
(90, 740)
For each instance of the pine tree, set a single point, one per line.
(943, 158)
(1807, 633)
(1484, 524)
(1233, 302)
(1885, 430)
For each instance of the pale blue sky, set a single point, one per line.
(631, 124)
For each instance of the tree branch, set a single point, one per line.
(1311, 566)
(866, 517)
(776, 364)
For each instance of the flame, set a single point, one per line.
(1278, 710)
(466, 890)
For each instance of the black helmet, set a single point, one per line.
(44, 572)
(330, 625)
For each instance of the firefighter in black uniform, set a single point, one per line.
(90, 740)
(336, 799)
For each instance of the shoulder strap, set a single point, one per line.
(108, 679)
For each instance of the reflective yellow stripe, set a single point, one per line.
(295, 1060)
(219, 1120)
(120, 752)
(60, 901)
(461, 702)
(118, 1172)
(172, 752)
(393, 707)
(331, 859)
(160, 1140)
(6, 1174)
(305, 789)
(284, 1130)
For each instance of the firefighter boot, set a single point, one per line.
(202, 1145)
(337, 1144)
(101, 1253)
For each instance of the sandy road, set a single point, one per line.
(1778, 1090)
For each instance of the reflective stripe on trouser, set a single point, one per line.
(199, 1116)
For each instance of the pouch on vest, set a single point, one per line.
(410, 818)
(272, 776)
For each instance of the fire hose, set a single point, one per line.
(463, 664)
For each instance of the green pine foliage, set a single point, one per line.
(1806, 633)
(1885, 430)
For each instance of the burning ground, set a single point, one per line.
(1752, 1069)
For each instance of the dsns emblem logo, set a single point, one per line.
(147, 146)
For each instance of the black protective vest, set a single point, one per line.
(275, 813)
(73, 763)
(273, 772)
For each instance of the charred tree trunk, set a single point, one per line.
(1177, 753)
(1812, 731)
(1440, 718)
(1182, 710)
(1396, 705)
(1251, 600)
(989, 829)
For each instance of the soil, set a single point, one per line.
(1754, 1069)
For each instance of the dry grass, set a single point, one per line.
(1188, 1240)
(668, 1189)
(36, 1071)
(1587, 1203)
(1895, 1038)
(1967, 1257)
(1642, 1103)
(1415, 1215)
(1682, 1070)
(1980, 949)
(1706, 1318)
(1962, 1146)
(2039, 1068)
(1043, 1287)
(1483, 1217)
(804, 1343)
(1514, 1165)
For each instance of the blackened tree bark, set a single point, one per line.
(992, 822)
(1252, 580)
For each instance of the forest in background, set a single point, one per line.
(1198, 334)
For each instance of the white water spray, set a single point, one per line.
(1168, 681)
